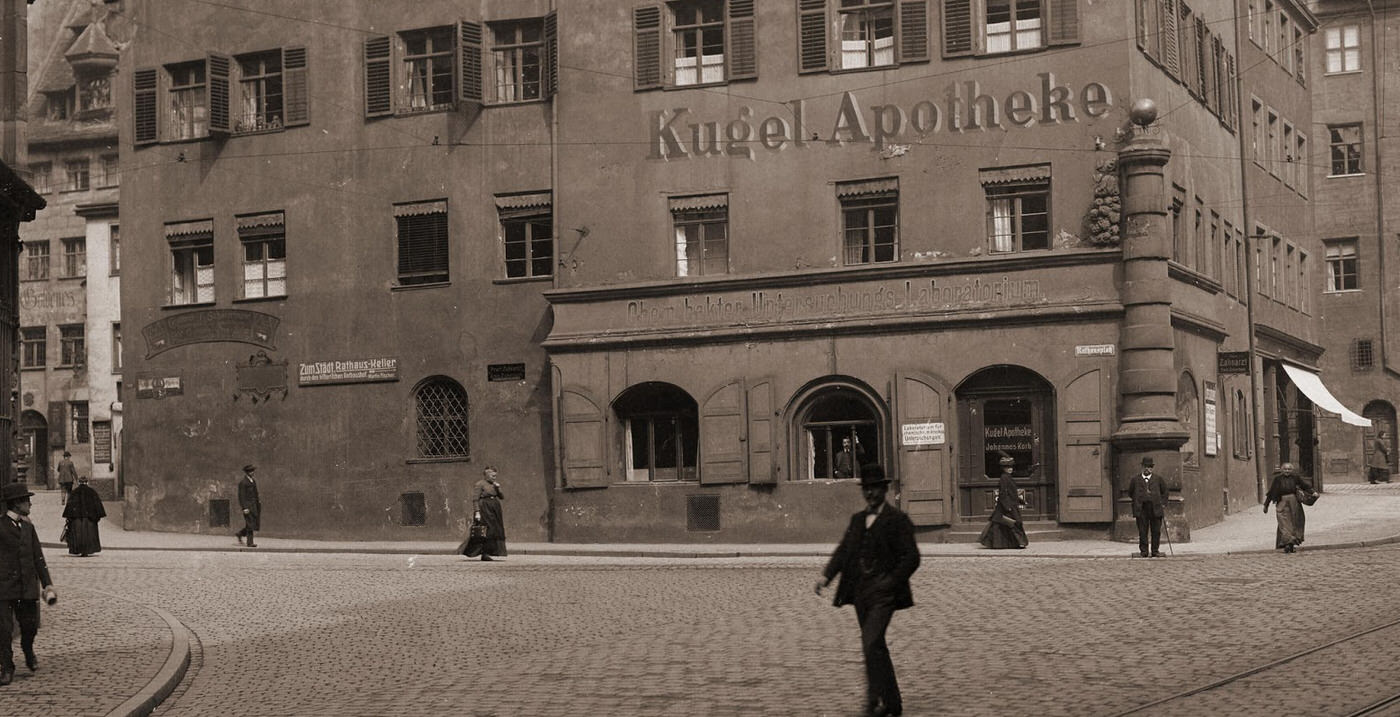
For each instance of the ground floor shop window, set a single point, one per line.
(660, 432)
(840, 433)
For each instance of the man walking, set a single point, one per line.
(1378, 463)
(22, 572)
(876, 556)
(67, 476)
(252, 507)
(1149, 496)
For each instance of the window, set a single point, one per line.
(1343, 271)
(77, 170)
(427, 69)
(440, 407)
(1290, 163)
(1229, 271)
(34, 346)
(1362, 357)
(1300, 57)
(264, 255)
(1345, 143)
(111, 170)
(869, 221)
(1215, 250)
(78, 415)
(697, 42)
(222, 95)
(1304, 282)
(661, 433)
(1241, 265)
(1272, 151)
(116, 347)
(1290, 276)
(518, 59)
(74, 257)
(115, 256)
(94, 93)
(59, 104)
(39, 177)
(422, 242)
(1196, 256)
(1018, 208)
(1343, 49)
(1013, 25)
(1178, 225)
(1275, 280)
(36, 260)
(1001, 26)
(863, 33)
(702, 234)
(1300, 155)
(260, 88)
(866, 30)
(192, 262)
(1257, 142)
(188, 109)
(72, 345)
(529, 244)
(1188, 412)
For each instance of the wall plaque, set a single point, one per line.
(321, 373)
(921, 434)
(210, 325)
(1232, 362)
(505, 372)
(159, 387)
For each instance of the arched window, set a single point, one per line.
(840, 433)
(660, 432)
(441, 408)
(1188, 411)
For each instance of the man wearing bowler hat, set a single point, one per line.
(875, 559)
(1149, 496)
(252, 507)
(22, 572)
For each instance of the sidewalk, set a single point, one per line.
(133, 655)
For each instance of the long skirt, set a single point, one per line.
(83, 538)
(494, 542)
(1291, 520)
(998, 535)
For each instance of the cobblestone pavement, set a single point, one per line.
(346, 634)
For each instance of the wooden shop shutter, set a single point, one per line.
(924, 470)
(469, 61)
(1171, 55)
(722, 436)
(913, 31)
(145, 85)
(811, 36)
(646, 47)
(958, 38)
(762, 469)
(294, 86)
(1085, 484)
(743, 52)
(217, 69)
(584, 440)
(551, 59)
(1063, 22)
(379, 88)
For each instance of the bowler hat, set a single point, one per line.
(1147, 461)
(14, 491)
(872, 475)
(249, 468)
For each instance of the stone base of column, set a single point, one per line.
(1174, 526)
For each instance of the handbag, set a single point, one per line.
(1306, 496)
(478, 529)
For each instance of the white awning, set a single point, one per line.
(1311, 386)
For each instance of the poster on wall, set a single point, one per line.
(921, 434)
(1212, 439)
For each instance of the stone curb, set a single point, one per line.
(176, 664)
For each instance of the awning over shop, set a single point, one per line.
(1311, 386)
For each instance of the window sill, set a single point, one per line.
(690, 483)
(250, 132)
(531, 101)
(454, 459)
(695, 86)
(70, 278)
(188, 306)
(72, 191)
(32, 368)
(1343, 72)
(402, 112)
(258, 299)
(1344, 176)
(1341, 291)
(31, 281)
(415, 287)
(522, 279)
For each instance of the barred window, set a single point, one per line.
(1362, 358)
(441, 406)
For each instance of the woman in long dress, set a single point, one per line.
(487, 497)
(1004, 527)
(83, 510)
(1283, 492)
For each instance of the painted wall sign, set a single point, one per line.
(208, 326)
(1096, 350)
(922, 434)
(1008, 438)
(42, 296)
(1232, 362)
(963, 107)
(1212, 438)
(505, 372)
(320, 373)
(101, 441)
(159, 387)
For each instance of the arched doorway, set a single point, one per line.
(839, 427)
(1006, 410)
(34, 445)
(660, 433)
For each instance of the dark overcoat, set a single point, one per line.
(22, 567)
(895, 551)
(1151, 493)
(248, 500)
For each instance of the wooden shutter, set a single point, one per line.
(958, 28)
(469, 47)
(742, 54)
(551, 56)
(1232, 108)
(924, 470)
(379, 87)
(1063, 22)
(217, 69)
(1086, 487)
(422, 248)
(646, 47)
(1217, 72)
(760, 438)
(1171, 55)
(1199, 81)
(913, 31)
(58, 425)
(811, 36)
(584, 440)
(722, 436)
(146, 125)
(294, 90)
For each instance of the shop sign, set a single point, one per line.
(159, 387)
(1009, 438)
(210, 325)
(1212, 438)
(1095, 350)
(505, 372)
(1232, 362)
(321, 373)
(101, 441)
(921, 434)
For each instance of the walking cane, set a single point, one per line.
(1167, 533)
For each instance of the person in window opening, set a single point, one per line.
(875, 559)
(1378, 463)
(251, 505)
(487, 532)
(844, 465)
(1148, 493)
(67, 476)
(1283, 492)
(1004, 527)
(83, 511)
(22, 573)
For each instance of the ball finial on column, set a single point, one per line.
(1143, 112)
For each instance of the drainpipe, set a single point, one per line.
(555, 380)
(1378, 182)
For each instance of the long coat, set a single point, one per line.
(22, 567)
(1151, 493)
(896, 555)
(83, 510)
(248, 500)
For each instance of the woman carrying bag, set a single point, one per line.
(1004, 527)
(1284, 491)
(486, 536)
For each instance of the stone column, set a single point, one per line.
(1147, 423)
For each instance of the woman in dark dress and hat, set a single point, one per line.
(83, 510)
(1004, 527)
(487, 532)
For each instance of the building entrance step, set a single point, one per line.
(1035, 530)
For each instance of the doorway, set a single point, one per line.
(1006, 411)
(34, 446)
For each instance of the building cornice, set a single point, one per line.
(96, 209)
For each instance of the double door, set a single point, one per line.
(1015, 424)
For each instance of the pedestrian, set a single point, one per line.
(487, 533)
(252, 507)
(67, 475)
(83, 511)
(1004, 527)
(22, 573)
(1283, 492)
(1378, 463)
(875, 559)
(846, 460)
(1148, 494)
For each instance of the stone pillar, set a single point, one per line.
(1147, 423)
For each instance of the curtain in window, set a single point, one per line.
(1003, 236)
(418, 84)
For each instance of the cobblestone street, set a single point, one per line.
(337, 634)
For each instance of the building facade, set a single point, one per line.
(680, 283)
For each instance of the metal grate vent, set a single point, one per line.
(218, 512)
(415, 511)
(702, 513)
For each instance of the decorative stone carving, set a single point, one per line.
(1103, 216)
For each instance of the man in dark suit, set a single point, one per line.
(1149, 496)
(22, 572)
(875, 559)
(252, 507)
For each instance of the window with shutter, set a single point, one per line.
(959, 39)
(144, 113)
(422, 242)
(469, 49)
(743, 49)
(811, 31)
(296, 97)
(646, 47)
(684, 43)
(379, 96)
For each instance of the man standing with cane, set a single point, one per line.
(1149, 496)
